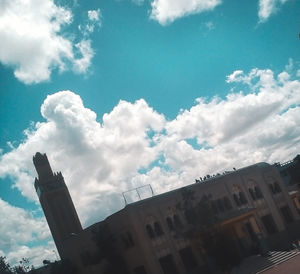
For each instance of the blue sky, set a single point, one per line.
(124, 93)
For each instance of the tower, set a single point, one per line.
(56, 202)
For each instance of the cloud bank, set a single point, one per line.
(33, 43)
(135, 145)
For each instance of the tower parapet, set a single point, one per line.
(42, 166)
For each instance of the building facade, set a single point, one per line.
(251, 207)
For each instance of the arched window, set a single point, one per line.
(236, 199)
(258, 192)
(158, 230)
(243, 198)
(150, 231)
(177, 221)
(170, 223)
(252, 194)
(277, 188)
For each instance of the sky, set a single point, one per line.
(124, 93)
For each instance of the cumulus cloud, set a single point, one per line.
(166, 11)
(18, 228)
(268, 7)
(32, 40)
(135, 145)
(114, 150)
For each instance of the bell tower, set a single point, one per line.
(56, 202)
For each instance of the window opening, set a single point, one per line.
(150, 231)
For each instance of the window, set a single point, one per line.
(188, 258)
(167, 264)
(269, 224)
(277, 188)
(177, 221)
(140, 270)
(127, 240)
(170, 223)
(258, 192)
(158, 230)
(252, 194)
(287, 214)
(150, 231)
(243, 198)
(236, 199)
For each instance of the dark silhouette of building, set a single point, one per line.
(56, 202)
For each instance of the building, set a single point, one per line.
(251, 208)
(56, 202)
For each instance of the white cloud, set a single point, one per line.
(114, 150)
(87, 53)
(135, 145)
(93, 21)
(31, 38)
(18, 228)
(166, 11)
(268, 7)
(94, 15)
(235, 76)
